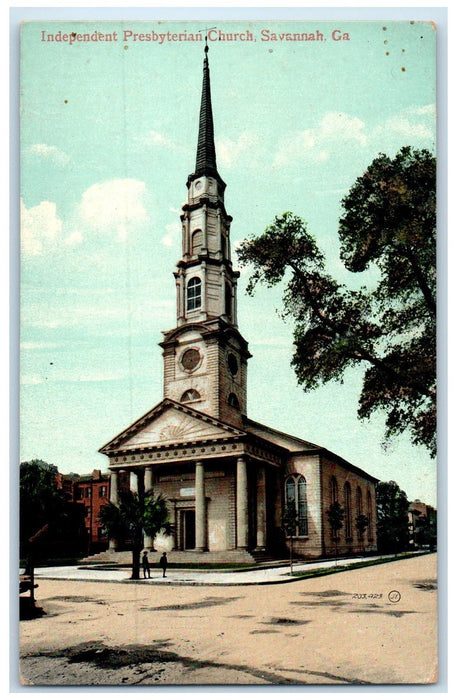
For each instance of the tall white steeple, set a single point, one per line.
(205, 357)
(205, 280)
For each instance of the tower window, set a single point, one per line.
(196, 242)
(295, 488)
(190, 395)
(194, 294)
(233, 401)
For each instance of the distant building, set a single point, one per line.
(228, 481)
(422, 523)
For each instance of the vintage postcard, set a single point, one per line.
(228, 323)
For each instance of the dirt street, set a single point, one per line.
(337, 629)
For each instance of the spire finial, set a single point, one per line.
(206, 44)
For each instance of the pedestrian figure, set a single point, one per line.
(146, 568)
(164, 563)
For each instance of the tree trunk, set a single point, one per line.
(136, 554)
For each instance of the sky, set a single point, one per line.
(108, 138)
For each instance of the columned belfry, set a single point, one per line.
(205, 356)
(226, 479)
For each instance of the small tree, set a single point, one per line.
(134, 515)
(335, 515)
(361, 523)
(289, 523)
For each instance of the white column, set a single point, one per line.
(182, 295)
(113, 495)
(148, 481)
(133, 482)
(241, 504)
(114, 498)
(200, 507)
(203, 281)
(204, 229)
(261, 509)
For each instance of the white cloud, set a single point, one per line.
(40, 226)
(154, 139)
(424, 110)
(314, 144)
(74, 238)
(403, 127)
(230, 152)
(115, 206)
(51, 153)
(338, 131)
(172, 233)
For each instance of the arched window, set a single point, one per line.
(347, 508)
(295, 493)
(333, 490)
(197, 239)
(194, 294)
(233, 401)
(190, 395)
(369, 516)
(359, 501)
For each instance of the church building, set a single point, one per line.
(228, 480)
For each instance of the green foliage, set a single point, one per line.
(290, 519)
(389, 223)
(425, 530)
(335, 516)
(361, 523)
(392, 517)
(44, 507)
(135, 515)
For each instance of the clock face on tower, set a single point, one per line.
(190, 359)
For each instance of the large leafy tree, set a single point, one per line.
(392, 517)
(49, 522)
(389, 328)
(136, 514)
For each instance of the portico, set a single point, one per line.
(211, 485)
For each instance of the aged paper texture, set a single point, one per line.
(228, 470)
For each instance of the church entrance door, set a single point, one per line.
(188, 527)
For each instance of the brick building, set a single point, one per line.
(227, 479)
(418, 514)
(92, 490)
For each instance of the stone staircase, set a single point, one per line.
(234, 558)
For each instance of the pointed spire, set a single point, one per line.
(206, 151)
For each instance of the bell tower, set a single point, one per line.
(205, 356)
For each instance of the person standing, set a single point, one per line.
(146, 567)
(164, 563)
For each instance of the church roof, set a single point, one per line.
(128, 438)
(296, 446)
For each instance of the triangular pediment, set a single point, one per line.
(170, 423)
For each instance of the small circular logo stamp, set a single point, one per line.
(394, 596)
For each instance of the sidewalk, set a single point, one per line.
(196, 577)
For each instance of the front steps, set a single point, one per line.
(188, 558)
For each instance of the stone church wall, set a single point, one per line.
(349, 541)
(309, 546)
